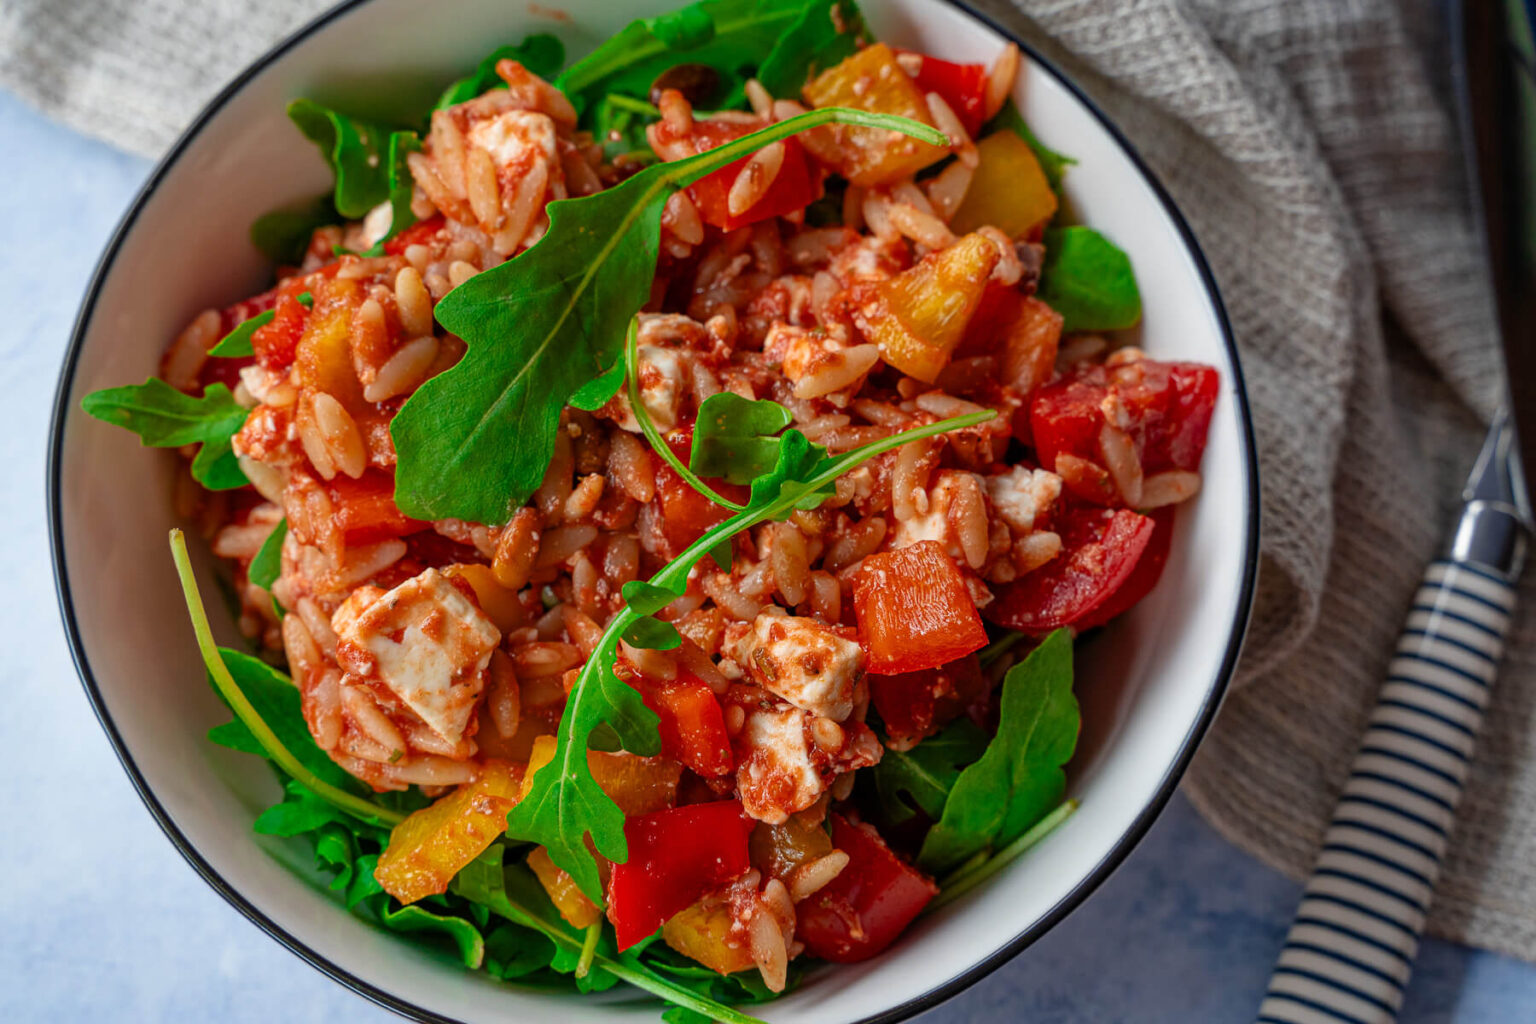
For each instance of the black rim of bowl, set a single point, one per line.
(1101, 871)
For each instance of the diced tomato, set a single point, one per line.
(1168, 405)
(276, 342)
(914, 610)
(1100, 551)
(417, 234)
(796, 185)
(913, 705)
(692, 724)
(366, 510)
(962, 86)
(675, 856)
(685, 513)
(1149, 569)
(869, 903)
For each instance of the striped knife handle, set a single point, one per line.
(1351, 948)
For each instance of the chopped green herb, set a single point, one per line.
(166, 418)
(237, 342)
(1019, 777)
(1088, 280)
(473, 442)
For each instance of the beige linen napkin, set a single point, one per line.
(1307, 143)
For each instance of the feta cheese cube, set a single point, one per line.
(426, 643)
(804, 661)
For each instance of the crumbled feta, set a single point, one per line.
(804, 661)
(425, 642)
(515, 138)
(663, 375)
(1022, 495)
(778, 777)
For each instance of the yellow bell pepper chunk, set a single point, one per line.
(1008, 191)
(564, 893)
(703, 932)
(639, 785)
(920, 315)
(870, 80)
(432, 845)
(500, 605)
(778, 851)
(324, 354)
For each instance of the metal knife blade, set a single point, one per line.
(1496, 89)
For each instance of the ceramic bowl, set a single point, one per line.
(1149, 684)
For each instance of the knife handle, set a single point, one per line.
(1351, 947)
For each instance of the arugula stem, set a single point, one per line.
(971, 875)
(648, 427)
(589, 947)
(629, 103)
(356, 806)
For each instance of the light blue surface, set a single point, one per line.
(100, 919)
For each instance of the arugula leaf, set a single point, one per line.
(970, 876)
(924, 776)
(268, 563)
(541, 53)
(1054, 164)
(734, 437)
(816, 41)
(283, 234)
(416, 917)
(237, 342)
(618, 123)
(564, 805)
(512, 892)
(1019, 777)
(1088, 280)
(166, 418)
(265, 702)
(473, 442)
(401, 187)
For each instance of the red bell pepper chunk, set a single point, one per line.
(913, 705)
(277, 341)
(685, 513)
(692, 724)
(914, 610)
(1101, 548)
(417, 234)
(795, 186)
(962, 86)
(366, 509)
(863, 909)
(675, 856)
(1169, 407)
(1149, 569)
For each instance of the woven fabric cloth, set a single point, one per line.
(1308, 145)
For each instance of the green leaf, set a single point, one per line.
(514, 894)
(300, 811)
(541, 53)
(513, 952)
(417, 918)
(401, 187)
(647, 598)
(1054, 164)
(473, 442)
(237, 342)
(816, 41)
(1088, 280)
(166, 418)
(268, 563)
(618, 124)
(653, 634)
(734, 437)
(798, 465)
(1020, 776)
(283, 235)
(924, 776)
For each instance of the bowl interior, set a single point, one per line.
(1148, 684)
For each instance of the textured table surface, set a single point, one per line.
(100, 919)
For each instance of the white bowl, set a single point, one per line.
(1149, 685)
